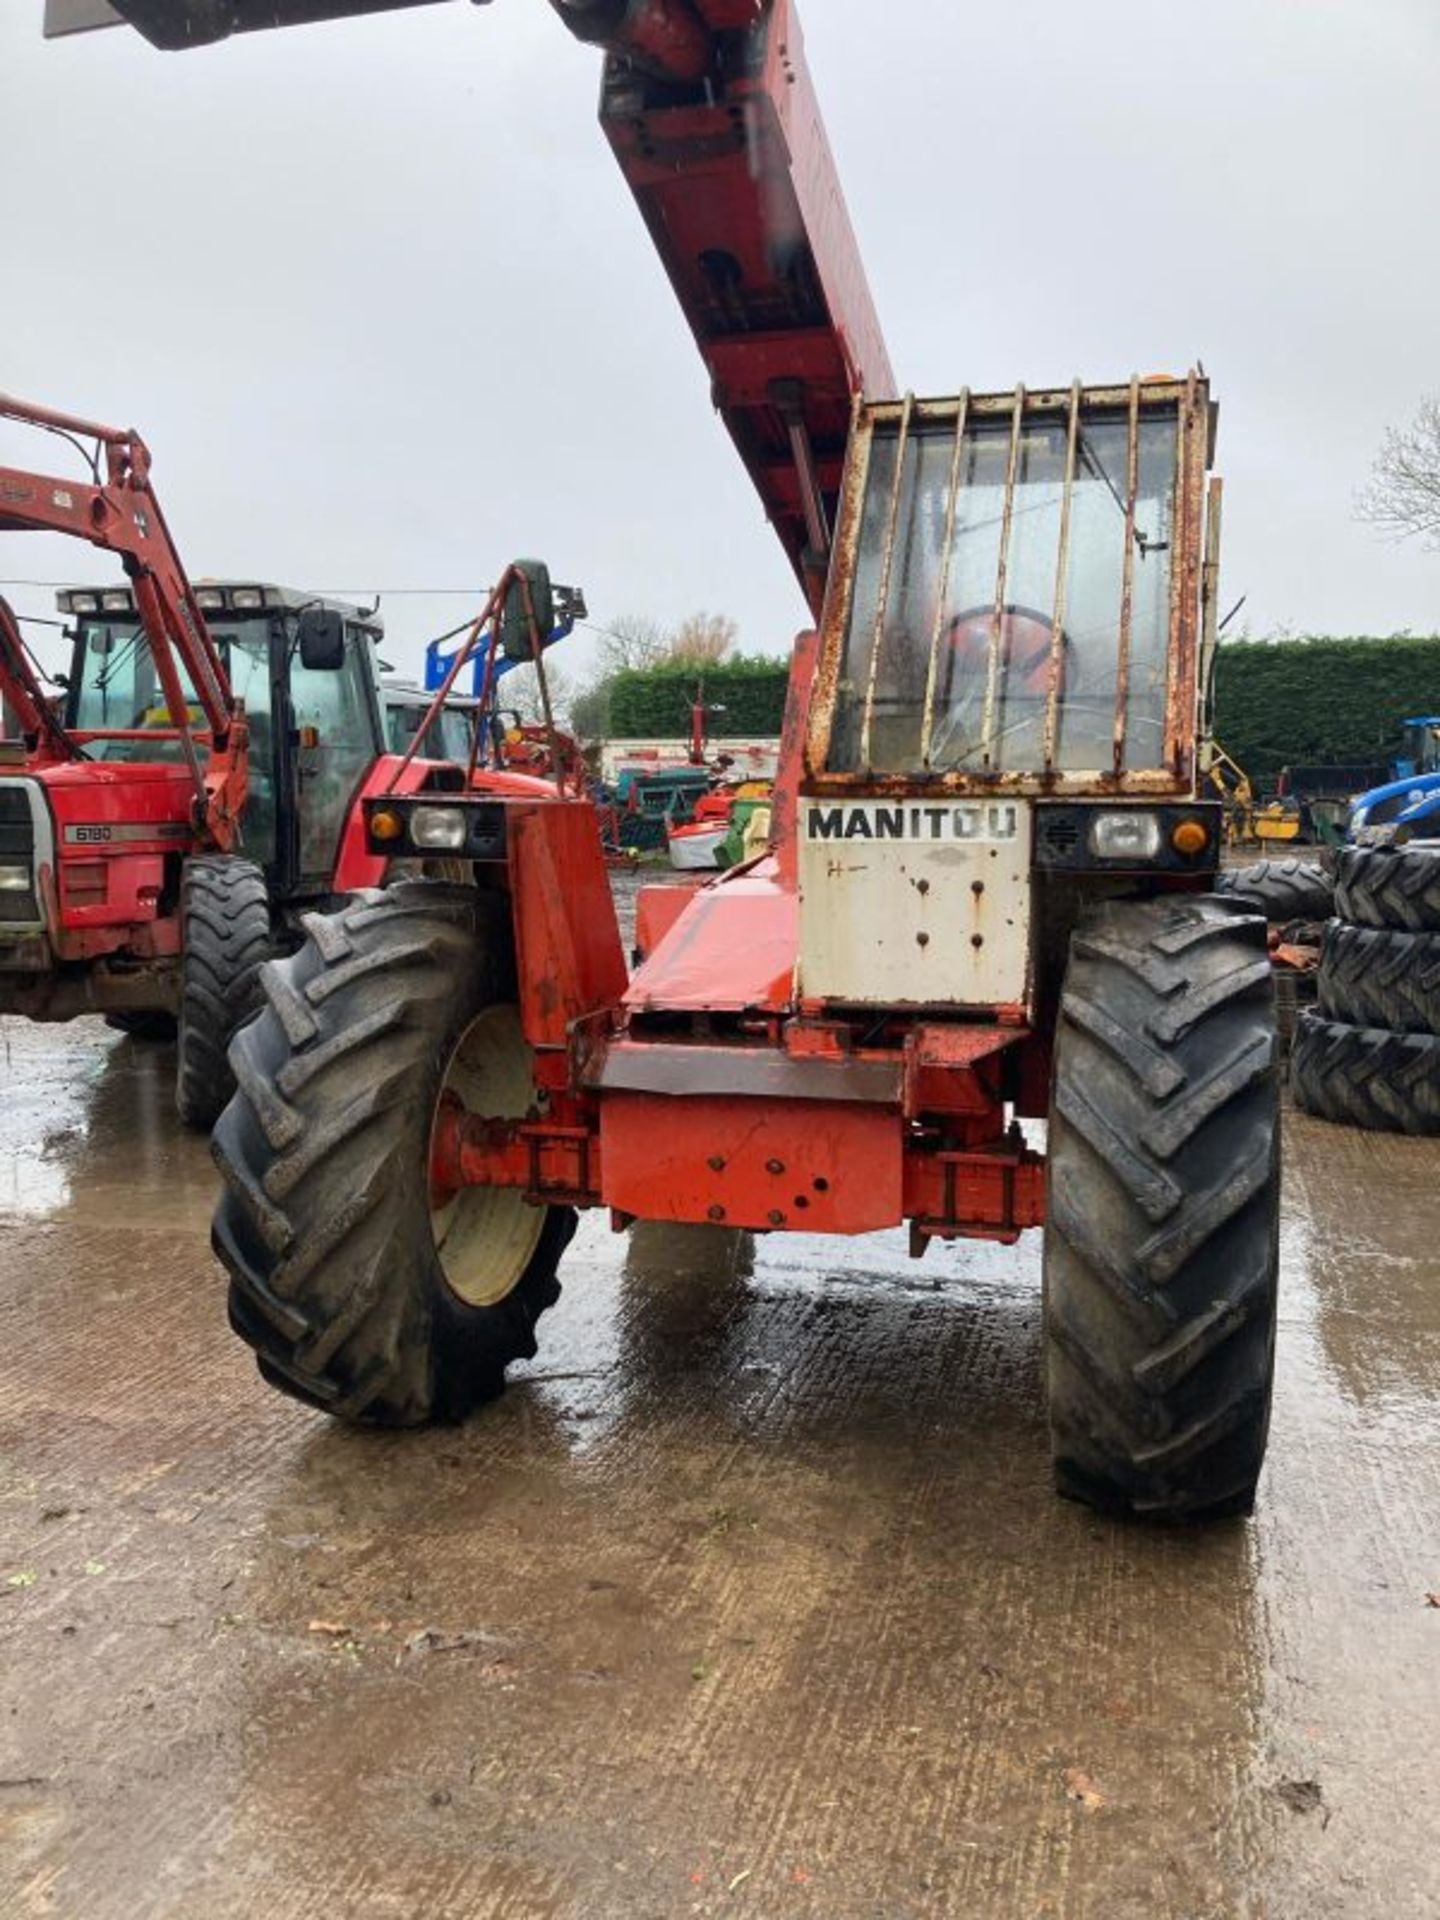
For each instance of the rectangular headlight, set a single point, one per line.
(440, 828)
(209, 599)
(14, 879)
(117, 602)
(1125, 836)
(247, 598)
(82, 603)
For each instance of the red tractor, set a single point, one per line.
(979, 983)
(164, 826)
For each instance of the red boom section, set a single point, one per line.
(710, 109)
(737, 184)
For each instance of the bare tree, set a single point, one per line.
(519, 693)
(703, 640)
(632, 642)
(1403, 496)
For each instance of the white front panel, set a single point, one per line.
(915, 901)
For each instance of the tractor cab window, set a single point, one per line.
(115, 687)
(448, 739)
(1010, 609)
(338, 738)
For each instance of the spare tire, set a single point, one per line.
(1366, 1076)
(1391, 887)
(1283, 890)
(1374, 977)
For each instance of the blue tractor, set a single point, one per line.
(1408, 806)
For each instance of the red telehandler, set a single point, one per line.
(987, 904)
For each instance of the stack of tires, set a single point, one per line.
(1369, 1054)
(1297, 897)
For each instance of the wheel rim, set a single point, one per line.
(485, 1237)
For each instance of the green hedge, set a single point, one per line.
(655, 703)
(1307, 702)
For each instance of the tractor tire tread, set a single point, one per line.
(1160, 1255)
(1390, 887)
(226, 937)
(1283, 890)
(1376, 977)
(324, 1225)
(1367, 1077)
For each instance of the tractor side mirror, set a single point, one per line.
(322, 640)
(514, 617)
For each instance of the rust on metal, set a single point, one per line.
(942, 595)
(1062, 567)
(892, 529)
(1127, 582)
(997, 618)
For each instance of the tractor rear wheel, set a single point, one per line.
(225, 936)
(361, 1292)
(1161, 1244)
(1283, 890)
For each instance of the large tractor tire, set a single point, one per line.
(1370, 977)
(1395, 887)
(1161, 1243)
(1366, 1076)
(1283, 890)
(360, 1293)
(225, 938)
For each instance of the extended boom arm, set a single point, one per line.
(710, 111)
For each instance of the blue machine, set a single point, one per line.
(1407, 807)
(569, 607)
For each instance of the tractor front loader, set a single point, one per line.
(162, 830)
(987, 905)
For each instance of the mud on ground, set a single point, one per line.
(750, 1598)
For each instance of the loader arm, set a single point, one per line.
(118, 511)
(710, 111)
(22, 692)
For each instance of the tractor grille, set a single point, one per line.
(17, 849)
(1057, 837)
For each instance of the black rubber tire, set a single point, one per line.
(324, 1226)
(1366, 1076)
(1395, 887)
(1371, 977)
(1283, 890)
(1161, 1243)
(147, 1023)
(225, 937)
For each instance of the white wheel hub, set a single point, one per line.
(486, 1236)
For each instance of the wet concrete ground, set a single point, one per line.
(752, 1599)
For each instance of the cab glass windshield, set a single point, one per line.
(1010, 610)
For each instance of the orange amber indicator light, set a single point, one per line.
(1190, 838)
(386, 826)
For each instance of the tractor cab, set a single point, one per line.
(312, 709)
(1008, 680)
(1421, 754)
(405, 706)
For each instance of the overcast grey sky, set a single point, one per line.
(378, 298)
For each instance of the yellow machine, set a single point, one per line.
(1246, 823)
